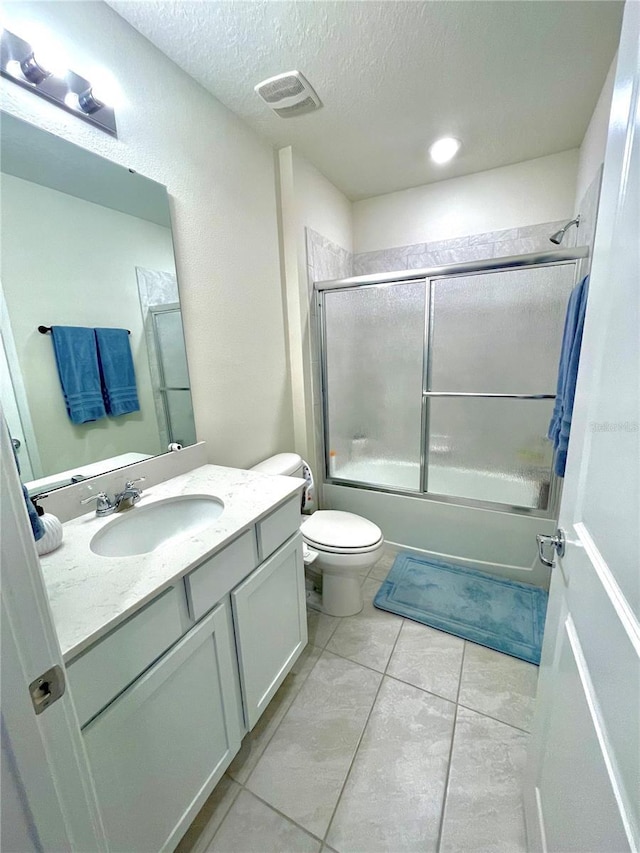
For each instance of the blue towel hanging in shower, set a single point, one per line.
(77, 363)
(118, 374)
(560, 426)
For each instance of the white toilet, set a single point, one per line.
(346, 544)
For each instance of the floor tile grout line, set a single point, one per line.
(495, 719)
(453, 737)
(445, 792)
(288, 708)
(284, 816)
(362, 733)
(464, 652)
(396, 678)
(224, 816)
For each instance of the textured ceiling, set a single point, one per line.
(513, 79)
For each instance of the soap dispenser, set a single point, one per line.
(52, 538)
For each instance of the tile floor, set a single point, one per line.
(387, 736)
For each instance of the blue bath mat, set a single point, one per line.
(501, 614)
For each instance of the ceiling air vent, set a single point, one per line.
(288, 94)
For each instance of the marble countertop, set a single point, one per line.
(90, 594)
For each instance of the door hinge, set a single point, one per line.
(47, 688)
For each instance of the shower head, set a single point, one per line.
(558, 237)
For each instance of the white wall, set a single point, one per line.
(540, 190)
(307, 200)
(221, 178)
(82, 272)
(322, 206)
(591, 154)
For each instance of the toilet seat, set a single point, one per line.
(327, 549)
(337, 532)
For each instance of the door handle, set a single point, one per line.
(557, 542)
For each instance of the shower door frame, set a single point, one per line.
(429, 275)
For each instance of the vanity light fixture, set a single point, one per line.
(444, 149)
(34, 70)
(24, 65)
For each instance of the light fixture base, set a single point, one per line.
(66, 92)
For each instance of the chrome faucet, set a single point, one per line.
(129, 496)
(125, 499)
(104, 506)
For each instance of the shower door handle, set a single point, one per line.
(557, 542)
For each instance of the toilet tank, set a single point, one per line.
(284, 464)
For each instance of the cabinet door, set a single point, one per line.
(269, 612)
(158, 750)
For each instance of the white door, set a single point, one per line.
(48, 800)
(582, 790)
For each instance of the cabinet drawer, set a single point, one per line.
(211, 581)
(104, 670)
(278, 527)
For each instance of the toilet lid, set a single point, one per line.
(336, 529)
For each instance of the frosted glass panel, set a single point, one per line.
(374, 357)
(490, 449)
(172, 351)
(499, 332)
(180, 417)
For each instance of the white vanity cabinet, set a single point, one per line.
(166, 697)
(270, 619)
(157, 751)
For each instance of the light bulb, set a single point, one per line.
(47, 58)
(51, 59)
(444, 149)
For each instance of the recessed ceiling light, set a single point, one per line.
(444, 149)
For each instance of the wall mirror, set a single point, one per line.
(88, 243)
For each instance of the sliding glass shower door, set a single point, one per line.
(444, 385)
(373, 348)
(494, 347)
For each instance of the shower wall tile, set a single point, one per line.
(448, 245)
(507, 248)
(542, 231)
(325, 261)
(493, 236)
(476, 247)
(422, 259)
(386, 260)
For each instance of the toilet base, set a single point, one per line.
(341, 594)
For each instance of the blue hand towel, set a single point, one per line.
(77, 362)
(560, 426)
(118, 375)
(37, 527)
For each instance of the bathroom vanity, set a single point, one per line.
(173, 655)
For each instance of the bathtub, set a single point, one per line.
(499, 541)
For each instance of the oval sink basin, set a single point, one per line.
(145, 528)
